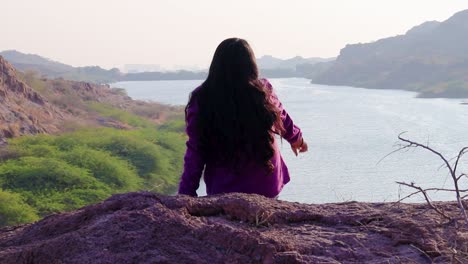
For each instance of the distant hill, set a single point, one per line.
(53, 69)
(269, 62)
(270, 67)
(431, 58)
(135, 68)
(24, 61)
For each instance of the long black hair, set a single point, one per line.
(236, 119)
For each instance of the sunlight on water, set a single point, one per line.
(349, 130)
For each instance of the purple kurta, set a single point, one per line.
(252, 178)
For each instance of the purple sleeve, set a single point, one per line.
(193, 161)
(292, 132)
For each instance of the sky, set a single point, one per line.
(177, 34)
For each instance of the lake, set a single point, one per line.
(349, 130)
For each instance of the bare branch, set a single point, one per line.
(445, 190)
(443, 165)
(421, 190)
(397, 150)
(452, 170)
(415, 144)
(461, 175)
(460, 155)
(407, 196)
(427, 190)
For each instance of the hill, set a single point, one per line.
(95, 74)
(24, 61)
(431, 58)
(236, 228)
(270, 67)
(31, 104)
(66, 144)
(53, 69)
(23, 110)
(269, 62)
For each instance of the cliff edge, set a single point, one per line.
(22, 110)
(236, 228)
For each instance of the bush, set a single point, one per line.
(54, 202)
(177, 125)
(13, 210)
(113, 171)
(43, 175)
(59, 173)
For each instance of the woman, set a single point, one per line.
(232, 119)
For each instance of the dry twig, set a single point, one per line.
(452, 171)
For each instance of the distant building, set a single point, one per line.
(135, 68)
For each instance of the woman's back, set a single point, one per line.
(231, 121)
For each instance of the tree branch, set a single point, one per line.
(415, 144)
(460, 155)
(461, 175)
(421, 190)
(453, 174)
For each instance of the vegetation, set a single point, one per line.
(120, 115)
(104, 143)
(13, 210)
(44, 174)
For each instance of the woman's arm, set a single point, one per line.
(193, 160)
(292, 133)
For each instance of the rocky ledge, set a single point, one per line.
(23, 110)
(237, 228)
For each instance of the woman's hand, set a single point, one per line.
(299, 146)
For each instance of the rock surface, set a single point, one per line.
(58, 105)
(22, 110)
(236, 228)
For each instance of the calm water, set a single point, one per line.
(349, 130)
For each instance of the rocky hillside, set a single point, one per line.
(431, 58)
(236, 228)
(95, 74)
(23, 110)
(23, 61)
(53, 69)
(30, 104)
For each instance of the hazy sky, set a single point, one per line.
(173, 32)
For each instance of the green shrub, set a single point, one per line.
(176, 125)
(59, 173)
(13, 210)
(41, 150)
(140, 153)
(43, 174)
(54, 202)
(113, 171)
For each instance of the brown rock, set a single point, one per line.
(22, 110)
(63, 105)
(235, 228)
